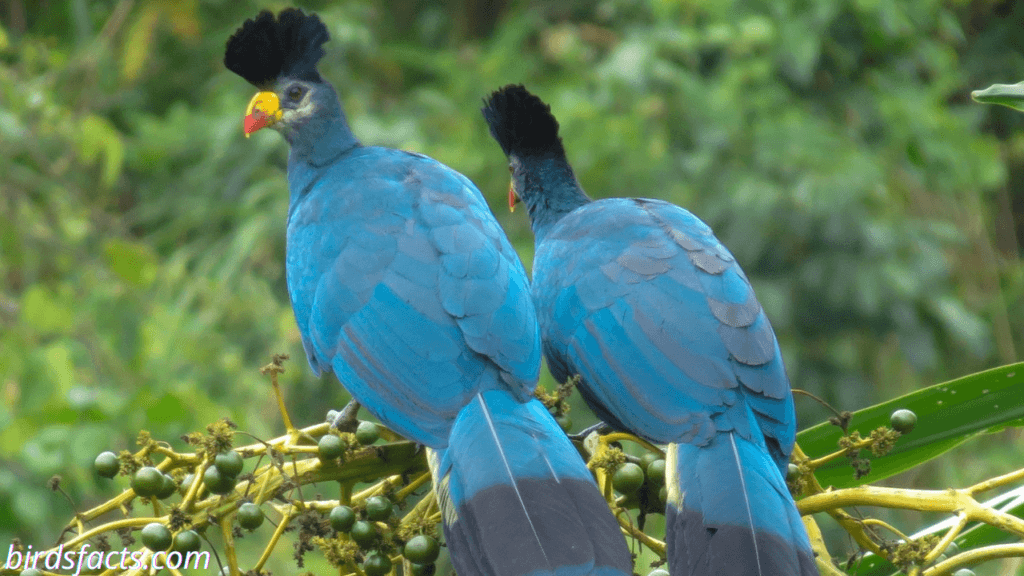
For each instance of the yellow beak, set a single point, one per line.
(264, 110)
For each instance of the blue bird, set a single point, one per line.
(639, 299)
(404, 286)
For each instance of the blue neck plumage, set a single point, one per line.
(548, 187)
(318, 142)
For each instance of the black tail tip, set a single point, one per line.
(521, 122)
(266, 48)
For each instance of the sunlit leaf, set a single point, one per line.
(947, 415)
(1011, 95)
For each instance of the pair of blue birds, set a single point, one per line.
(404, 285)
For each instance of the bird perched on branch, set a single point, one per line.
(405, 287)
(640, 300)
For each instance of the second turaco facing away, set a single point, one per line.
(405, 287)
(640, 299)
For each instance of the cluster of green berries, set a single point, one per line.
(420, 550)
(332, 446)
(149, 482)
(643, 482)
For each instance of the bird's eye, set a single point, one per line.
(510, 168)
(295, 93)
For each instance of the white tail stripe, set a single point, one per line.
(504, 460)
(746, 499)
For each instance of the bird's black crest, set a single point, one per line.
(266, 48)
(521, 122)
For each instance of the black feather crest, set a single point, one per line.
(521, 122)
(267, 48)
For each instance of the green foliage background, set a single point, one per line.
(830, 143)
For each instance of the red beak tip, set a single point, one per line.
(254, 122)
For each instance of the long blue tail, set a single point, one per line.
(730, 513)
(517, 498)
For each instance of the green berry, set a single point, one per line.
(332, 415)
(107, 464)
(186, 541)
(422, 569)
(156, 537)
(658, 572)
(421, 549)
(628, 478)
(342, 518)
(250, 516)
(656, 472)
(147, 481)
(367, 433)
(187, 482)
(216, 482)
(364, 534)
(378, 508)
(564, 422)
(647, 458)
(964, 572)
(903, 421)
(30, 572)
(167, 488)
(792, 472)
(376, 564)
(952, 549)
(229, 464)
(329, 447)
(663, 494)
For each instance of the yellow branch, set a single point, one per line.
(858, 445)
(996, 482)
(975, 556)
(852, 525)
(412, 487)
(229, 544)
(951, 534)
(285, 519)
(626, 522)
(950, 501)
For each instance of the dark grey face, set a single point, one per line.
(298, 103)
(515, 168)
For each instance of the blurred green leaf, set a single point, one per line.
(99, 137)
(44, 312)
(947, 415)
(133, 262)
(138, 42)
(1011, 95)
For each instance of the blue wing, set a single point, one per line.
(651, 306)
(405, 287)
(640, 299)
